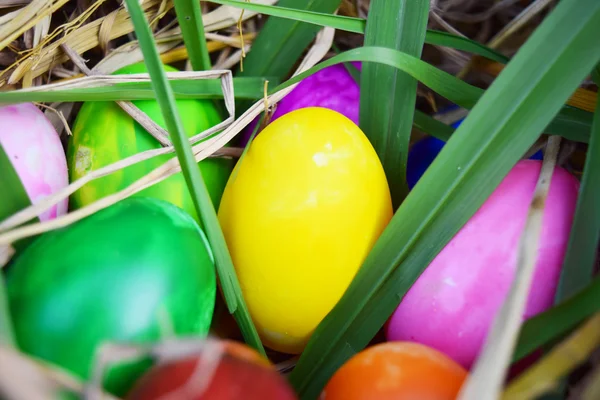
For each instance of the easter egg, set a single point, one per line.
(300, 213)
(453, 303)
(332, 87)
(133, 272)
(36, 153)
(398, 371)
(103, 134)
(232, 371)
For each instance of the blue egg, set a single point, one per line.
(423, 152)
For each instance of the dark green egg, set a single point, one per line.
(137, 271)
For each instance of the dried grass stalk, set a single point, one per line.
(27, 18)
(201, 151)
(88, 36)
(486, 379)
(560, 361)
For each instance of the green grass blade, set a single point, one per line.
(357, 25)
(195, 183)
(559, 320)
(432, 126)
(14, 198)
(189, 17)
(244, 88)
(512, 113)
(571, 123)
(388, 95)
(281, 42)
(578, 266)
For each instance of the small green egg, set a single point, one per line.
(134, 272)
(103, 134)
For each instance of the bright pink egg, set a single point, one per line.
(452, 304)
(332, 87)
(36, 153)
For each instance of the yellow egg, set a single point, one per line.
(300, 213)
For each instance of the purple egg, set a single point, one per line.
(332, 87)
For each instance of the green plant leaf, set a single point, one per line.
(578, 266)
(14, 198)
(357, 25)
(195, 183)
(558, 321)
(189, 17)
(502, 126)
(388, 95)
(281, 42)
(570, 123)
(244, 88)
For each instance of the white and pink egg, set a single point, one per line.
(36, 153)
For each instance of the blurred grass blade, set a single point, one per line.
(281, 42)
(14, 198)
(388, 95)
(559, 320)
(195, 183)
(487, 376)
(578, 266)
(357, 25)
(432, 126)
(504, 124)
(189, 17)
(246, 88)
(570, 123)
(564, 358)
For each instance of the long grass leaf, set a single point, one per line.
(388, 96)
(195, 183)
(545, 374)
(245, 88)
(189, 17)
(357, 25)
(14, 198)
(559, 320)
(281, 42)
(578, 266)
(570, 123)
(512, 113)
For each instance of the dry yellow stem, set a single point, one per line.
(583, 99)
(564, 358)
(27, 18)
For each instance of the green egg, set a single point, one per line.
(103, 134)
(137, 271)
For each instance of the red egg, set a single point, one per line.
(236, 372)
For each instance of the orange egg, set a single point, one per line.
(399, 371)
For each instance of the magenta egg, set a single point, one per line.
(36, 153)
(332, 87)
(452, 304)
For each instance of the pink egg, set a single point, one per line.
(452, 304)
(332, 87)
(36, 153)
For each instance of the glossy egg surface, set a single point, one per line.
(133, 272)
(300, 213)
(103, 134)
(396, 371)
(452, 304)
